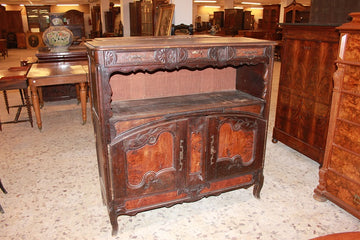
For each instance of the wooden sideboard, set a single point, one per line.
(304, 99)
(340, 173)
(178, 118)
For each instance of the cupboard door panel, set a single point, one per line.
(150, 160)
(235, 145)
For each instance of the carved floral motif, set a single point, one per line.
(170, 56)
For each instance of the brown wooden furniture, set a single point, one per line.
(219, 18)
(178, 118)
(333, 12)
(66, 91)
(3, 48)
(271, 15)
(233, 21)
(75, 23)
(15, 78)
(48, 74)
(38, 17)
(4, 191)
(304, 99)
(296, 13)
(340, 236)
(340, 174)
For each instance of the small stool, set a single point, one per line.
(4, 191)
(15, 78)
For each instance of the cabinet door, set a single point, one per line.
(235, 145)
(148, 163)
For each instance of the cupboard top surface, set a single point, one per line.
(137, 43)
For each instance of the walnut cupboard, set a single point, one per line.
(179, 118)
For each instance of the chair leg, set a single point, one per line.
(6, 101)
(2, 187)
(28, 106)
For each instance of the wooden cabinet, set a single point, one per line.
(304, 99)
(75, 23)
(38, 18)
(233, 21)
(296, 13)
(340, 173)
(219, 18)
(271, 15)
(159, 141)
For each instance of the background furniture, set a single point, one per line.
(57, 73)
(4, 191)
(340, 173)
(75, 23)
(65, 91)
(233, 21)
(304, 98)
(3, 48)
(333, 12)
(38, 18)
(15, 78)
(296, 13)
(271, 15)
(160, 142)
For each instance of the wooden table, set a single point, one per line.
(48, 74)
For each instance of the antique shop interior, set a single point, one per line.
(180, 119)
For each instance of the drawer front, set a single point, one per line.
(345, 163)
(343, 189)
(235, 145)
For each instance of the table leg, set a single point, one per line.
(36, 105)
(83, 100)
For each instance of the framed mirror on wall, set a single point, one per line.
(164, 21)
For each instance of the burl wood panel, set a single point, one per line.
(339, 179)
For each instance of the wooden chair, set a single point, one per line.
(15, 78)
(4, 191)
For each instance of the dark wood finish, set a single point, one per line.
(96, 22)
(247, 20)
(271, 15)
(219, 18)
(21, 40)
(48, 74)
(340, 174)
(303, 106)
(75, 23)
(161, 142)
(233, 21)
(15, 78)
(332, 11)
(296, 13)
(3, 48)
(142, 21)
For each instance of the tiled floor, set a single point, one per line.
(54, 192)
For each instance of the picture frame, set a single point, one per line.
(164, 20)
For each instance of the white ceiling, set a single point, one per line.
(53, 2)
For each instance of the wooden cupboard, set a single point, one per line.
(271, 14)
(296, 13)
(159, 141)
(340, 173)
(233, 21)
(305, 87)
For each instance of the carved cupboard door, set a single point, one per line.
(148, 164)
(235, 145)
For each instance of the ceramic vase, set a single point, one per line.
(57, 37)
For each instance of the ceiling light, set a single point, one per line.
(251, 3)
(205, 1)
(67, 5)
(257, 8)
(212, 6)
(3, 4)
